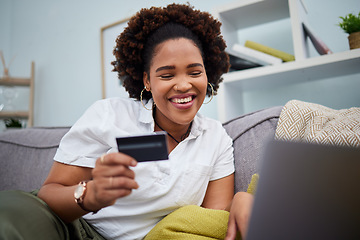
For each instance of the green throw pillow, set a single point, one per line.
(195, 223)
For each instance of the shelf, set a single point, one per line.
(13, 81)
(325, 66)
(235, 13)
(248, 17)
(249, 13)
(18, 114)
(17, 81)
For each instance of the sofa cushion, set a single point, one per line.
(249, 133)
(26, 156)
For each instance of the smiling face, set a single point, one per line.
(177, 81)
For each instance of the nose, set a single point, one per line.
(183, 85)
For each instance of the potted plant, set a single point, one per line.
(351, 25)
(12, 123)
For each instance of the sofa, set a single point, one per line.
(26, 155)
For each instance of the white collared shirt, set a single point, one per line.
(205, 155)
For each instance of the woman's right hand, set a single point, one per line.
(112, 178)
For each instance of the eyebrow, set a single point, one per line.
(173, 67)
(164, 68)
(195, 65)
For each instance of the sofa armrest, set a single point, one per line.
(249, 133)
(26, 156)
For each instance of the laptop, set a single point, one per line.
(307, 191)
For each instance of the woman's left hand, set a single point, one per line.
(240, 211)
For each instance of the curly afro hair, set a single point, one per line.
(133, 53)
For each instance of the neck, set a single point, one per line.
(176, 133)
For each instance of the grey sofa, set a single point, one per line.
(26, 155)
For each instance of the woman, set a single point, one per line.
(168, 59)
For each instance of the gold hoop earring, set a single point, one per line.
(212, 94)
(141, 100)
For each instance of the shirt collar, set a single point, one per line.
(199, 125)
(146, 116)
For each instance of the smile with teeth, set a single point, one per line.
(182, 100)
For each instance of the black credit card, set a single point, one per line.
(149, 147)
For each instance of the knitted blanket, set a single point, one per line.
(193, 223)
(309, 122)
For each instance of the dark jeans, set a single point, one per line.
(25, 216)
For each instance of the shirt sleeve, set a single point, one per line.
(224, 163)
(85, 141)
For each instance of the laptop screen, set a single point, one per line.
(307, 191)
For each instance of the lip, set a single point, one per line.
(183, 105)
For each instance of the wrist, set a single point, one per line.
(80, 193)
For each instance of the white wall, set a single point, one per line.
(63, 38)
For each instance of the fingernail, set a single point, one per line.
(133, 163)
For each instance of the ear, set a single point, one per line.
(146, 81)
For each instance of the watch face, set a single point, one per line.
(78, 191)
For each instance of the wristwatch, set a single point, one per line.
(79, 195)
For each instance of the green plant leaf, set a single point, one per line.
(350, 23)
(12, 123)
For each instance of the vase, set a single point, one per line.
(354, 40)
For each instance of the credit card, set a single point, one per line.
(144, 148)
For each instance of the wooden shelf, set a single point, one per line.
(14, 81)
(18, 81)
(16, 114)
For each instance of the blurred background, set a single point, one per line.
(63, 39)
